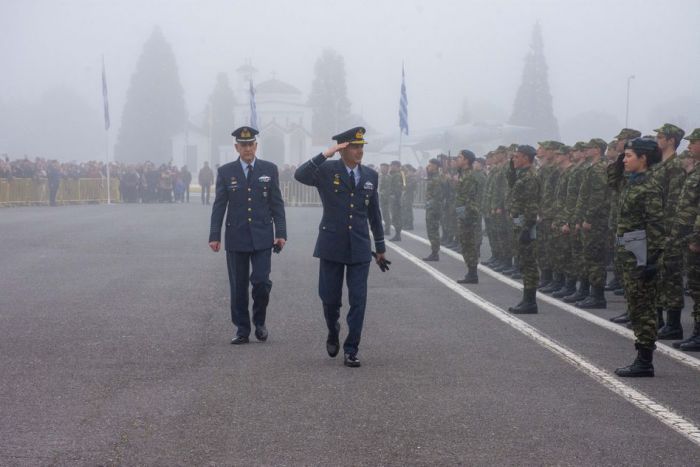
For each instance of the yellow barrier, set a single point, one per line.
(27, 191)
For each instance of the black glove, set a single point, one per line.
(525, 237)
(276, 248)
(646, 273)
(383, 264)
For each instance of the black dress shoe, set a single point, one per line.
(238, 340)
(351, 360)
(333, 342)
(261, 333)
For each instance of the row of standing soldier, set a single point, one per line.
(558, 226)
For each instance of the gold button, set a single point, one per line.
(324, 227)
(350, 216)
(250, 209)
(349, 227)
(249, 189)
(352, 194)
(250, 199)
(352, 205)
(250, 220)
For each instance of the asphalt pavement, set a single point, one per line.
(114, 350)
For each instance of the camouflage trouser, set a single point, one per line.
(641, 298)
(576, 253)
(488, 225)
(694, 282)
(670, 293)
(449, 220)
(593, 242)
(503, 228)
(396, 218)
(432, 225)
(544, 244)
(470, 240)
(526, 252)
(617, 264)
(561, 253)
(407, 210)
(385, 208)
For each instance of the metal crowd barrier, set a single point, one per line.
(29, 192)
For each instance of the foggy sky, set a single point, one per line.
(452, 50)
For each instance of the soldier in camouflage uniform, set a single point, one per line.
(561, 243)
(486, 210)
(569, 229)
(385, 197)
(669, 174)
(549, 176)
(499, 197)
(467, 208)
(397, 185)
(525, 196)
(684, 239)
(409, 195)
(615, 183)
(449, 218)
(434, 200)
(640, 242)
(593, 208)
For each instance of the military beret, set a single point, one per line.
(694, 135)
(645, 146)
(597, 143)
(628, 133)
(435, 162)
(244, 134)
(468, 155)
(527, 150)
(353, 136)
(669, 129)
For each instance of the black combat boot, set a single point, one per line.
(517, 275)
(660, 323)
(529, 304)
(545, 279)
(568, 288)
(433, 256)
(503, 264)
(673, 328)
(580, 294)
(614, 284)
(623, 318)
(555, 285)
(619, 292)
(490, 261)
(470, 277)
(595, 300)
(642, 365)
(691, 344)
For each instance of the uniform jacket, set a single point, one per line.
(254, 213)
(343, 233)
(525, 196)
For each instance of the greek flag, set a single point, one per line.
(403, 104)
(104, 94)
(253, 110)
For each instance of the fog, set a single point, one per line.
(452, 51)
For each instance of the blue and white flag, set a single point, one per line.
(403, 104)
(253, 111)
(104, 94)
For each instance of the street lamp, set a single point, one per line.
(627, 108)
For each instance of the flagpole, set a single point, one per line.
(107, 125)
(109, 191)
(400, 143)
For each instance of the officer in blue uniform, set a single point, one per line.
(348, 191)
(248, 188)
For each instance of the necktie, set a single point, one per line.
(250, 173)
(352, 179)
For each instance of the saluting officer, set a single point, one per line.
(248, 188)
(348, 192)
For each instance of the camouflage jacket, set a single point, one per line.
(434, 193)
(670, 175)
(397, 184)
(468, 194)
(641, 209)
(572, 192)
(384, 186)
(681, 230)
(560, 196)
(548, 198)
(593, 202)
(499, 190)
(525, 197)
(488, 192)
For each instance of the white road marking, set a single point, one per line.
(590, 317)
(662, 413)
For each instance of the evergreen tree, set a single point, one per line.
(328, 97)
(155, 107)
(533, 102)
(220, 115)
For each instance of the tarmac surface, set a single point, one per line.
(114, 350)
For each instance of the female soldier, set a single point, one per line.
(639, 243)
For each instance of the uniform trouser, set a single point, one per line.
(561, 252)
(396, 217)
(239, 263)
(432, 225)
(488, 225)
(577, 254)
(641, 300)
(617, 264)
(449, 220)
(205, 194)
(53, 191)
(544, 244)
(330, 289)
(526, 253)
(407, 210)
(694, 282)
(670, 293)
(503, 229)
(385, 208)
(593, 242)
(470, 241)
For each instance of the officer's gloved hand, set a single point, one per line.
(646, 273)
(525, 237)
(383, 264)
